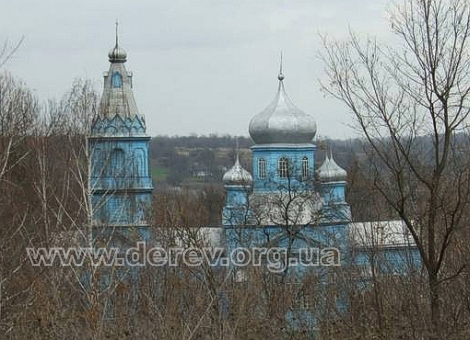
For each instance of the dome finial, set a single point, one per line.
(117, 54)
(117, 35)
(280, 76)
(329, 150)
(237, 151)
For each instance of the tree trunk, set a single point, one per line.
(435, 306)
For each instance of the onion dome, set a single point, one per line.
(329, 171)
(282, 122)
(237, 175)
(117, 55)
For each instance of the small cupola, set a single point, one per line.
(237, 175)
(117, 54)
(329, 171)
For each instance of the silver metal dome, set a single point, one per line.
(117, 55)
(237, 175)
(329, 171)
(282, 122)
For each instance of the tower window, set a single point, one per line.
(117, 166)
(283, 167)
(117, 79)
(138, 163)
(97, 165)
(305, 168)
(261, 168)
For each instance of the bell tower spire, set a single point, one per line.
(118, 114)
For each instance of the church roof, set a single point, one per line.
(380, 234)
(282, 121)
(118, 98)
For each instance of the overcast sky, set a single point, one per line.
(199, 66)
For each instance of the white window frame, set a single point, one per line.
(305, 168)
(283, 167)
(261, 168)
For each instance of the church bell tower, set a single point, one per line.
(120, 182)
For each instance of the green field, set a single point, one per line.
(159, 173)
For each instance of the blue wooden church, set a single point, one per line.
(289, 202)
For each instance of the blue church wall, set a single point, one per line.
(235, 215)
(311, 309)
(306, 237)
(271, 154)
(326, 302)
(301, 319)
(120, 208)
(236, 196)
(399, 260)
(120, 180)
(332, 192)
(335, 212)
(119, 163)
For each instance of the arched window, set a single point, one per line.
(117, 79)
(261, 168)
(97, 165)
(117, 163)
(305, 168)
(283, 167)
(138, 163)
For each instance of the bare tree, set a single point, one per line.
(8, 50)
(410, 101)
